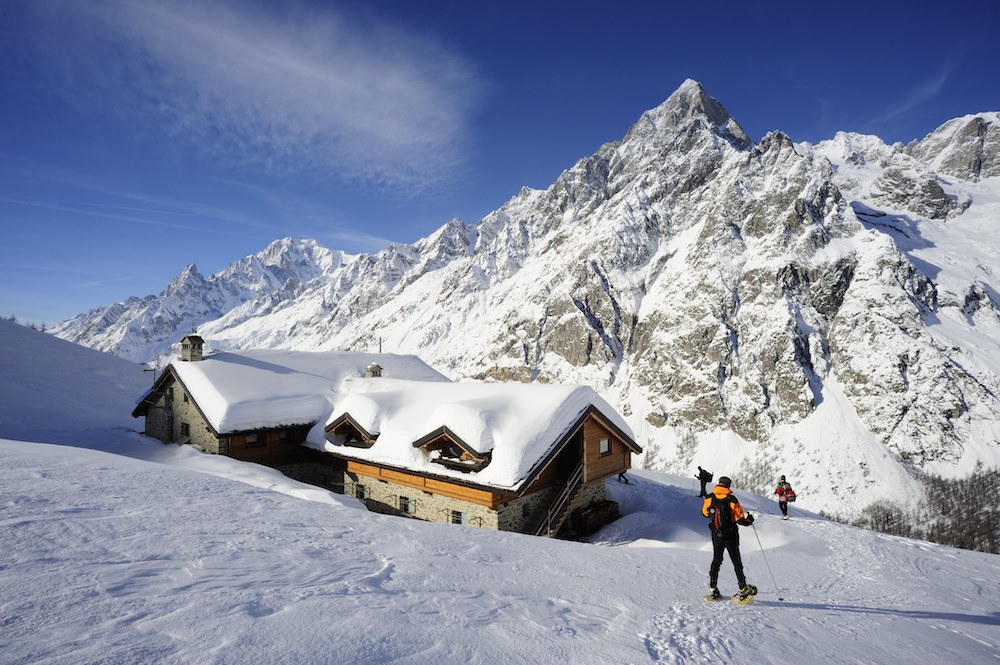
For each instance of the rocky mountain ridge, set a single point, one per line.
(828, 312)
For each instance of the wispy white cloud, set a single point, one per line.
(921, 93)
(299, 90)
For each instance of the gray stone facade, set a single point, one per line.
(174, 417)
(522, 514)
(385, 497)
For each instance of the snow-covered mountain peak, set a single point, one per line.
(764, 308)
(188, 279)
(853, 149)
(689, 108)
(966, 147)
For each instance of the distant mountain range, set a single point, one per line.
(829, 312)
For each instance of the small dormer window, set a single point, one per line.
(350, 433)
(445, 448)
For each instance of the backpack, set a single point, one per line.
(789, 492)
(720, 514)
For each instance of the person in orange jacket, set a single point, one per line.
(724, 513)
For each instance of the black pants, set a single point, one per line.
(727, 542)
(784, 507)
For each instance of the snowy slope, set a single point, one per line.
(62, 389)
(158, 554)
(115, 560)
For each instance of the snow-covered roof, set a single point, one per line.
(517, 424)
(268, 388)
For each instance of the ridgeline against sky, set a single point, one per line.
(138, 137)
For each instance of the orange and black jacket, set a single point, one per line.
(721, 493)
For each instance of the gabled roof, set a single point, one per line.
(360, 436)
(259, 389)
(444, 441)
(518, 425)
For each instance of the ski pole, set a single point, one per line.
(765, 559)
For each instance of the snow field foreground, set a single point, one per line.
(158, 554)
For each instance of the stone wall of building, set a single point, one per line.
(197, 430)
(591, 493)
(174, 417)
(525, 513)
(158, 419)
(384, 497)
(522, 515)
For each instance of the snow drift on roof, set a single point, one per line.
(518, 423)
(267, 388)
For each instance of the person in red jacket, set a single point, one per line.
(724, 513)
(785, 494)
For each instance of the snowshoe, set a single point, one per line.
(745, 595)
(714, 595)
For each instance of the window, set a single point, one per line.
(406, 505)
(458, 517)
(253, 440)
(185, 397)
(605, 447)
(360, 492)
(185, 429)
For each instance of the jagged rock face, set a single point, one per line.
(703, 283)
(967, 148)
(923, 196)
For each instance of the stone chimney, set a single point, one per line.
(192, 347)
(373, 371)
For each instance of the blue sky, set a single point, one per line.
(137, 137)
